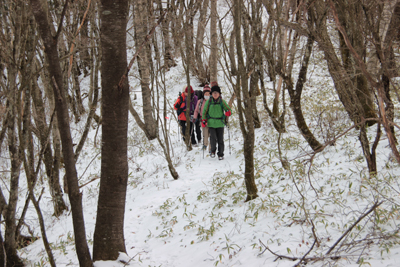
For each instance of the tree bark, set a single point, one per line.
(10, 244)
(214, 43)
(201, 71)
(246, 122)
(141, 29)
(169, 60)
(295, 97)
(109, 238)
(44, 137)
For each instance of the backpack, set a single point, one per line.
(179, 110)
(199, 94)
(192, 105)
(201, 104)
(222, 107)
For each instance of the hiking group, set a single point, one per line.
(208, 109)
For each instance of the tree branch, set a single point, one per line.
(55, 38)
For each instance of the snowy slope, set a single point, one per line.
(202, 220)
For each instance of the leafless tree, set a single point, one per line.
(56, 74)
(109, 238)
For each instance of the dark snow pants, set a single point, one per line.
(198, 131)
(217, 136)
(183, 125)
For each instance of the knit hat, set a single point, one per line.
(191, 90)
(206, 88)
(215, 88)
(213, 84)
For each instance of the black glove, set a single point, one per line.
(177, 105)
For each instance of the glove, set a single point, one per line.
(228, 113)
(177, 105)
(204, 123)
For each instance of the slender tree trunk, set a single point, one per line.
(10, 244)
(31, 174)
(141, 29)
(169, 60)
(247, 125)
(214, 43)
(44, 134)
(295, 98)
(60, 95)
(201, 26)
(109, 238)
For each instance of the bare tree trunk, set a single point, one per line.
(201, 26)
(31, 173)
(214, 43)
(60, 94)
(295, 97)
(176, 27)
(92, 112)
(246, 123)
(169, 60)
(109, 238)
(10, 244)
(44, 137)
(141, 29)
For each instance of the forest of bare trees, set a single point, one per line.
(47, 47)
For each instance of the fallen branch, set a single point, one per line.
(278, 256)
(302, 259)
(305, 255)
(353, 225)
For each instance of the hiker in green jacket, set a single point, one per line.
(214, 113)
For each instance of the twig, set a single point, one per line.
(93, 179)
(61, 20)
(353, 225)
(89, 165)
(305, 255)
(278, 256)
(127, 263)
(71, 50)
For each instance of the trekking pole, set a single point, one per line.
(179, 131)
(203, 144)
(229, 138)
(191, 123)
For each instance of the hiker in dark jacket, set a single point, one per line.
(214, 113)
(180, 107)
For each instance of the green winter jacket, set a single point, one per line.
(214, 112)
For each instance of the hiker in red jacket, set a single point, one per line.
(180, 107)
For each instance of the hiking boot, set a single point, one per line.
(212, 154)
(204, 147)
(220, 158)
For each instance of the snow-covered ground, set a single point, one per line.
(201, 218)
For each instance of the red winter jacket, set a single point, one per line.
(182, 105)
